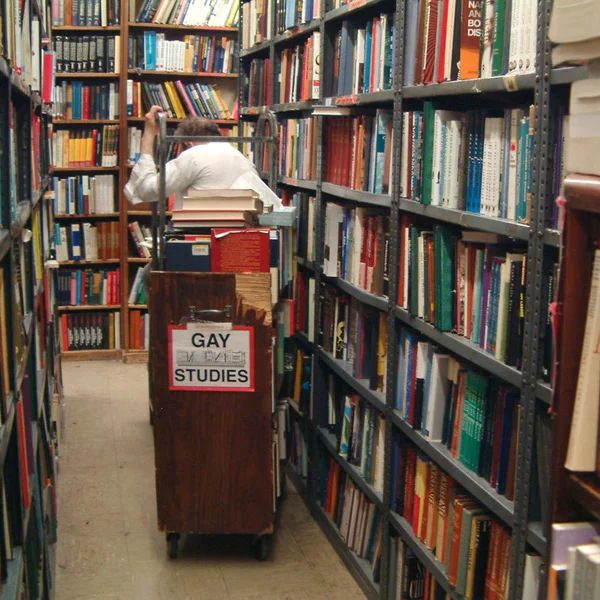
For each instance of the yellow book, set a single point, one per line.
(89, 148)
(175, 101)
(220, 102)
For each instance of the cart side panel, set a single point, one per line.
(213, 450)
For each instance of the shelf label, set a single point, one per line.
(510, 83)
(207, 357)
(356, 4)
(290, 32)
(346, 100)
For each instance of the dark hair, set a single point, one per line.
(196, 126)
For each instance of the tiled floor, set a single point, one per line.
(109, 547)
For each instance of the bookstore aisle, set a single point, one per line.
(109, 546)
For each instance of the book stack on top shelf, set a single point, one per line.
(434, 147)
(114, 61)
(30, 333)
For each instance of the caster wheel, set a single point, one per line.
(262, 547)
(172, 541)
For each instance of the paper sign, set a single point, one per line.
(208, 358)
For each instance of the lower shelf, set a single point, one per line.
(135, 356)
(91, 355)
(360, 568)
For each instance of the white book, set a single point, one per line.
(454, 150)
(360, 62)
(503, 310)
(335, 216)
(449, 38)
(35, 55)
(117, 328)
(438, 390)
(581, 454)
(531, 578)
(311, 309)
(487, 31)
(379, 462)
(496, 167)
(406, 258)
(484, 207)
(515, 35)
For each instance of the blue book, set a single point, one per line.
(150, 50)
(368, 44)
(345, 58)
(56, 195)
(383, 118)
(411, 349)
(78, 283)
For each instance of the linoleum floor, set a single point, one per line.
(109, 547)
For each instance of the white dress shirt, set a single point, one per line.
(214, 165)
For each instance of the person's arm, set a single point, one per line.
(143, 182)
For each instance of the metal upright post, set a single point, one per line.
(532, 304)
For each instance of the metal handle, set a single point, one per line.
(194, 316)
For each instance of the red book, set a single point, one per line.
(47, 76)
(429, 58)
(327, 507)
(85, 105)
(23, 466)
(240, 251)
(443, 34)
(409, 492)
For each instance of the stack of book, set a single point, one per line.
(217, 208)
(465, 39)
(297, 156)
(186, 12)
(84, 195)
(177, 99)
(469, 161)
(90, 331)
(472, 547)
(356, 243)
(358, 152)
(464, 282)
(473, 415)
(193, 54)
(77, 100)
(355, 333)
(88, 54)
(299, 71)
(86, 147)
(100, 13)
(257, 86)
(87, 242)
(257, 21)
(357, 519)
(137, 293)
(363, 58)
(84, 287)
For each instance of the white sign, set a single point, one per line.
(211, 358)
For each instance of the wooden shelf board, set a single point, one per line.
(190, 28)
(135, 356)
(85, 169)
(137, 306)
(137, 259)
(75, 263)
(88, 307)
(175, 120)
(176, 74)
(73, 355)
(91, 216)
(86, 121)
(87, 75)
(585, 489)
(86, 28)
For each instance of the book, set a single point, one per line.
(240, 251)
(90, 331)
(297, 148)
(88, 53)
(186, 12)
(84, 195)
(97, 147)
(298, 79)
(78, 100)
(85, 287)
(103, 13)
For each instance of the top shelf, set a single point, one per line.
(86, 28)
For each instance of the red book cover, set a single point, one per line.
(429, 59)
(471, 256)
(85, 105)
(327, 507)
(23, 466)
(240, 251)
(47, 76)
(409, 491)
(458, 419)
(459, 505)
(374, 42)
(443, 35)
(409, 192)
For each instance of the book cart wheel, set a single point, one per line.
(262, 547)
(172, 541)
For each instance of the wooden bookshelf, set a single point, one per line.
(88, 307)
(73, 122)
(87, 76)
(85, 29)
(59, 217)
(76, 355)
(183, 28)
(85, 169)
(184, 74)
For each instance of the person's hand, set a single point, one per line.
(151, 125)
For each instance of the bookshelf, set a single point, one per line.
(121, 23)
(30, 362)
(543, 88)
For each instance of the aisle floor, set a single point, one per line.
(109, 547)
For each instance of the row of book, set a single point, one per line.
(358, 152)
(305, 204)
(84, 195)
(363, 57)
(194, 54)
(137, 293)
(297, 156)
(469, 161)
(98, 147)
(472, 547)
(298, 446)
(186, 12)
(299, 71)
(87, 54)
(355, 333)
(90, 331)
(362, 438)
(177, 99)
(472, 414)
(138, 234)
(77, 100)
(464, 282)
(85, 242)
(356, 247)
(139, 330)
(257, 86)
(260, 17)
(84, 287)
(304, 302)
(100, 13)
(358, 520)
(448, 40)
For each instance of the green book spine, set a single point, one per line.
(427, 179)
(467, 421)
(477, 295)
(446, 270)
(427, 313)
(498, 40)
(414, 267)
(437, 305)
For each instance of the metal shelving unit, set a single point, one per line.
(538, 240)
